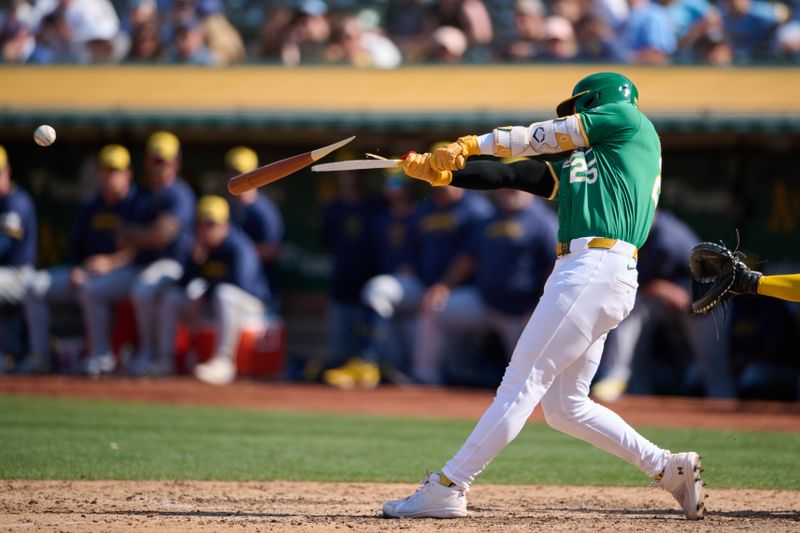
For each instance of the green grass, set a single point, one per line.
(46, 438)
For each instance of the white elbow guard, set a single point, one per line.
(547, 137)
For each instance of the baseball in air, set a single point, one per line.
(44, 135)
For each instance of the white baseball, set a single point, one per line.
(44, 135)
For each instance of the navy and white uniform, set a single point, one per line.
(346, 235)
(17, 244)
(17, 258)
(261, 220)
(150, 271)
(439, 234)
(514, 253)
(94, 232)
(229, 283)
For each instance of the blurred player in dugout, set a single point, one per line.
(661, 317)
(222, 278)
(17, 255)
(390, 232)
(257, 216)
(510, 257)
(442, 229)
(158, 227)
(345, 233)
(94, 253)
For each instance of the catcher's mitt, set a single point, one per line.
(718, 274)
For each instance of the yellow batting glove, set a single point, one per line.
(454, 155)
(418, 166)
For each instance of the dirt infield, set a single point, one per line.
(89, 506)
(78, 506)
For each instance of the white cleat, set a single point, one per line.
(431, 500)
(217, 371)
(681, 478)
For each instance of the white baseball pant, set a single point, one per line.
(231, 307)
(588, 293)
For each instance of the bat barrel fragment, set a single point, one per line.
(280, 169)
(268, 173)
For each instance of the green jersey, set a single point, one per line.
(611, 188)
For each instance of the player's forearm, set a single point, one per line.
(164, 231)
(131, 235)
(153, 236)
(535, 177)
(122, 257)
(540, 138)
(785, 287)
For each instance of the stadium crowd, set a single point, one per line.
(394, 32)
(428, 287)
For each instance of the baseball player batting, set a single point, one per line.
(607, 184)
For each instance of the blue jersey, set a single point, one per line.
(234, 261)
(442, 234)
(176, 200)
(392, 240)
(665, 255)
(346, 234)
(686, 13)
(95, 228)
(751, 32)
(262, 222)
(17, 229)
(515, 253)
(649, 26)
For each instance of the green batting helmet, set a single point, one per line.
(598, 89)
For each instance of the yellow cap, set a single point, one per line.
(164, 145)
(241, 159)
(3, 157)
(115, 157)
(213, 208)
